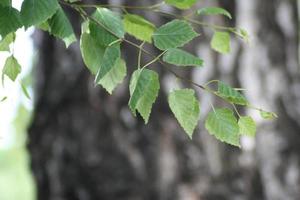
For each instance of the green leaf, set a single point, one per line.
(34, 12)
(173, 34)
(247, 126)
(25, 91)
(181, 4)
(110, 20)
(179, 57)
(92, 52)
(138, 27)
(4, 44)
(5, 2)
(244, 34)
(61, 27)
(110, 57)
(3, 99)
(214, 11)
(186, 109)
(221, 42)
(144, 87)
(10, 20)
(11, 68)
(231, 95)
(109, 26)
(268, 115)
(114, 77)
(44, 26)
(222, 124)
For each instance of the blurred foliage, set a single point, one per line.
(16, 182)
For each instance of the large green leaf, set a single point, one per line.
(10, 20)
(138, 27)
(181, 58)
(110, 57)
(214, 11)
(144, 87)
(221, 42)
(173, 34)
(61, 27)
(114, 77)
(186, 109)
(11, 68)
(230, 94)
(106, 26)
(181, 4)
(247, 126)
(222, 124)
(92, 52)
(4, 44)
(34, 12)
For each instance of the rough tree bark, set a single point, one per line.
(85, 144)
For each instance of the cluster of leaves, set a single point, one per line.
(101, 38)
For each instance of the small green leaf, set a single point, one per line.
(10, 20)
(3, 99)
(247, 126)
(144, 87)
(173, 34)
(138, 27)
(11, 68)
(244, 34)
(181, 4)
(268, 115)
(109, 26)
(4, 44)
(214, 11)
(222, 124)
(114, 77)
(221, 42)
(231, 95)
(25, 91)
(186, 109)
(61, 27)
(110, 57)
(35, 12)
(179, 57)
(92, 52)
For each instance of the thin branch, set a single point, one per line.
(155, 8)
(84, 15)
(200, 23)
(236, 110)
(141, 49)
(155, 59)
(140, 55)
(81, 5)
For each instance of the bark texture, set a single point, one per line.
(85, 144)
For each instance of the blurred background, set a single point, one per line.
(73, 141)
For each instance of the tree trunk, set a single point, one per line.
(85, 144)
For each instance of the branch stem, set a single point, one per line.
(154, 8)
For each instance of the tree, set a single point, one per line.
(103, 33)
(85, 144)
